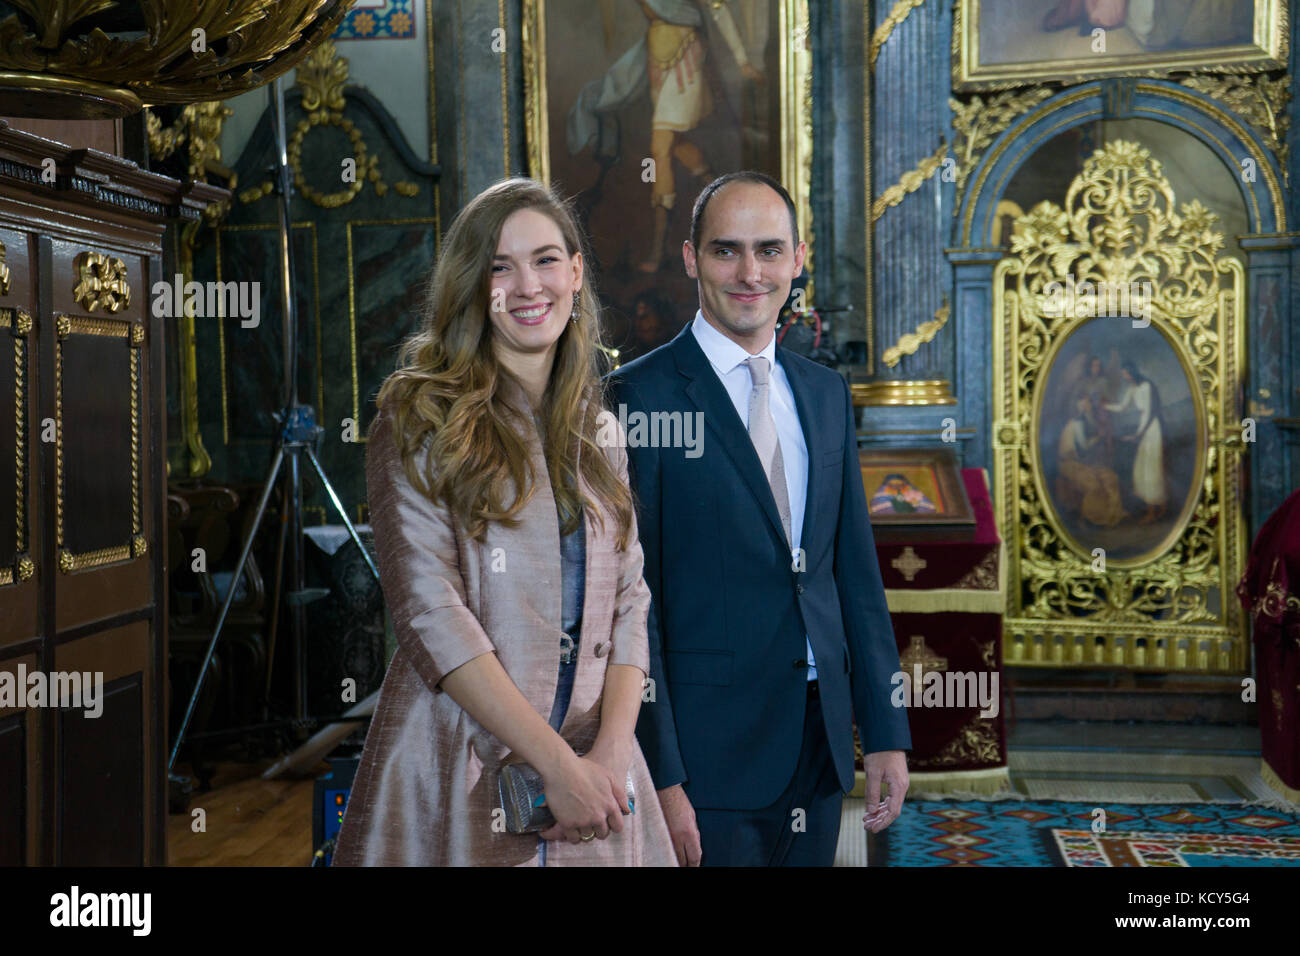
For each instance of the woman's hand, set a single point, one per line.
(615, 758)
(580, 797)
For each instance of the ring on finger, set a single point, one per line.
(589, 837)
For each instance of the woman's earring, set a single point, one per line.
(575, 315)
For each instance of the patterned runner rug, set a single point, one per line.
(1053, 833)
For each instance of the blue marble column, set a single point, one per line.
(972, 318)
(910, 118)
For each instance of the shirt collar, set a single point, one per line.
(724, 354)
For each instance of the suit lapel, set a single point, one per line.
(706, 391)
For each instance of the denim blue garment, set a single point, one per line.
(573, 582)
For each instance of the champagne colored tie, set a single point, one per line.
(762, 431)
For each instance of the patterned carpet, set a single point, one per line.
(1051, 833)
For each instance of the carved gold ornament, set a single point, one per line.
(101, 282)
(977, 122)
(886, 29)
(909, 182)
(158, 51)
(908, 343)
(321, 79)
(1260, 100)
(1169, 607)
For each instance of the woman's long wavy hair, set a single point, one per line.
(451, 424)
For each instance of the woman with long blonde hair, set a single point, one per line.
(507, 547)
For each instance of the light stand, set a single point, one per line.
(299, 435)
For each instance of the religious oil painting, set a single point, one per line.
(1119, 438)
(906, 486)
(633, 106)
(1002, 41)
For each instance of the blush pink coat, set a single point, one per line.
(426, 787)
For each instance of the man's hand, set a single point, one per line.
(891, 767)
(680, 816)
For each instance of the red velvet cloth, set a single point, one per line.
(1270, 593)
(946, 739)
(946, 562)
(956, 738)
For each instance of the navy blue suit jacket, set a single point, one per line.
(730, 609)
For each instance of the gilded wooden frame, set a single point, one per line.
(132, 333)
(1172, 607)
(1268, 50)
(795, 95)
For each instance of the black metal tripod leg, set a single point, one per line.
(225, 606)
(338, 505)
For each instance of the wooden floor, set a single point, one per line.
(250, 821)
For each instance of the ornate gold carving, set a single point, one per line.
(22, 322)
(909, 182)
(896, 16)
(4, 272)
(137, 333)
(1120, 226)
(82, 325)
(101, 282)
(321, 79)
(69, 562)
(245, 44)
(199, 125)
(26, 568)
(908, 563)
(1259, 100)
(139, 546)
(908, 343)
(977, 123)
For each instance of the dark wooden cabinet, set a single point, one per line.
(82, 491)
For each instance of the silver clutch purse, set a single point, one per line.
(522, 793)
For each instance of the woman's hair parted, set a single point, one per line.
(450, 423)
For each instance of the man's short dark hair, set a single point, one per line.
(743, 176)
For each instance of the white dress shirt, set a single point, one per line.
(728, 361)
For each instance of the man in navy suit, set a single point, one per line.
(769, 633)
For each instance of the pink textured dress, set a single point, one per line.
(426, 790)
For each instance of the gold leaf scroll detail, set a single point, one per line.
(909, 182)
(1259, 100)
(977, 123)
(911, 341)
(883, 32)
